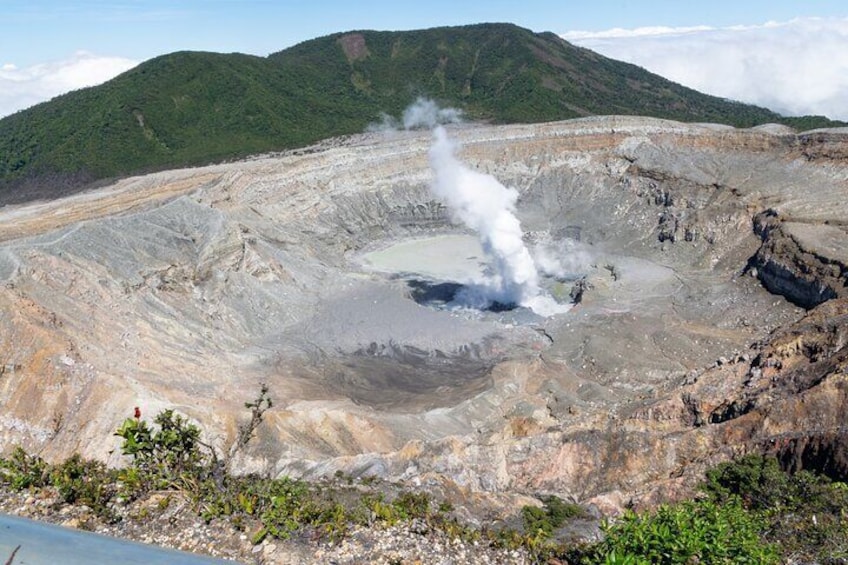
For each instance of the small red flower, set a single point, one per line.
(137, 413)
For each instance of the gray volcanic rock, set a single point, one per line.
(807, 263)
(186, 289)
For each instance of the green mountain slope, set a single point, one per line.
(189, 108)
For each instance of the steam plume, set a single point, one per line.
(421, 114)
(425, 113)
(484, 205)
(487, 207)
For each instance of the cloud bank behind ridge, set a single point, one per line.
(23, 87)
(795, 68)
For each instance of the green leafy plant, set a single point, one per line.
(290, 508)
(411, 505)
(692, 531)
(613, 558)
(168, 457)
(758, 481)
(807, 514)
(21, 471)
(380, 511)
(552, 515)
(84, 482)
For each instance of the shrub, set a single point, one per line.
(757, 480)
(169, 457)
(21, 471)
(689, 532)
(84, 482)
(289, 508)
(543, 521)
(807, 514)
(411, 505)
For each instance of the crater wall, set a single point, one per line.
(187, 289)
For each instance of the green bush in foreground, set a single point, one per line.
(169, 457)
(84, 482)
(806, 513)
(22, 471)
(753, 512)
(690, 532)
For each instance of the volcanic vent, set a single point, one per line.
(490, 270)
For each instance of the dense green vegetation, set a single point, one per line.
(701, 531)
(188, 108)
(750, 511)
(806, 514)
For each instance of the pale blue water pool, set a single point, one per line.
(46, 544)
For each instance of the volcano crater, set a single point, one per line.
(333, 275)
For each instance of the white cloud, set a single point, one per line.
(24, 87)
(617, 32)
(795, 68)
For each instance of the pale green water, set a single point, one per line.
(457, 258)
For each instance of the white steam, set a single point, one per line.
(565, 259)
(486, 206)
(421, 114)
(424, 113)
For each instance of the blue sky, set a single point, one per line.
(50, 46)
(34, 31)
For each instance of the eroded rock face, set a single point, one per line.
(808, 264)
(187, 289)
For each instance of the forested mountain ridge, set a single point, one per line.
(190, 108)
